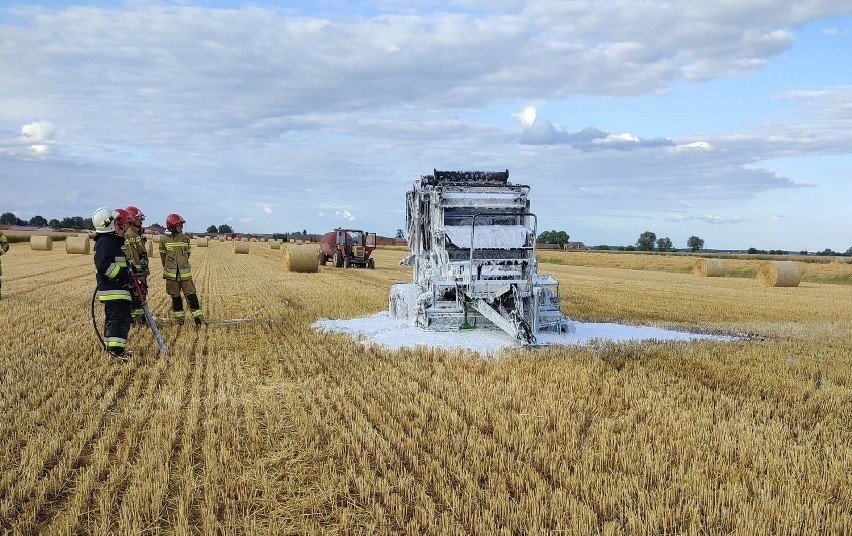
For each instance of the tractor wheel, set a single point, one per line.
(346, 262)
(322, 259)
(338, 259)
(371, 264)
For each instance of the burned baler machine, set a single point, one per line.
(472, 241)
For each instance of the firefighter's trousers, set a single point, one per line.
(116, 325)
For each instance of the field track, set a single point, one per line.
(257, 424)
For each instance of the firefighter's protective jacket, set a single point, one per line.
(4, 247)
(134, 247)
(174, 252)
(111, 267)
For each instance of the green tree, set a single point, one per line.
(54, 223)
(225, 229)
(694, 243)
(38, 221)
(849, 251)
(646, 241)
(664, 244)
(553, 237)
(212, 229)
(7, 218)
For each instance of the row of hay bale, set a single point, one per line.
(78, 245)
(82, 243)
(769, 273)
(297, 258)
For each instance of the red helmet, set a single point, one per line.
(122, 218)
(135, 215)
(173, 220)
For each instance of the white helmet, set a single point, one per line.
(104, 220)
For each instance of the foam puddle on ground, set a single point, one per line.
(394, 334)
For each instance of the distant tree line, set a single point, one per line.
(827, 252)
(648, 241)
(226, 229)
(69, 222)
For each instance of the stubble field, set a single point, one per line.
(257, 424)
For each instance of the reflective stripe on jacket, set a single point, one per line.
(111, 268)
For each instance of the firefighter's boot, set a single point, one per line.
(195, 307)
(177, 309)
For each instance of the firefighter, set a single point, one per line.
(114, 282)
(137, 256)
(174, 253)
(4, 247)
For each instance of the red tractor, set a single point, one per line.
(347, 247)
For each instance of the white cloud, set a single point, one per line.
(721, 219)
(35, 141)
(40, 131)
(618, 138)
(694, 146)
(527, 116)
(344, 215)
(542, 132)
(355, 106)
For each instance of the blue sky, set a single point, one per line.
(729, 121)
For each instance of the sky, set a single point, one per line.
(393, 334)
(730, 121)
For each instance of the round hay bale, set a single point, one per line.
(156, 238)
(202, 241)
(299, 242)
(77, 245)
(710, 268)
(779, 274)
(241, 247)
(41, 243)
(275, 245)
(221, 239)
(301, 259)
